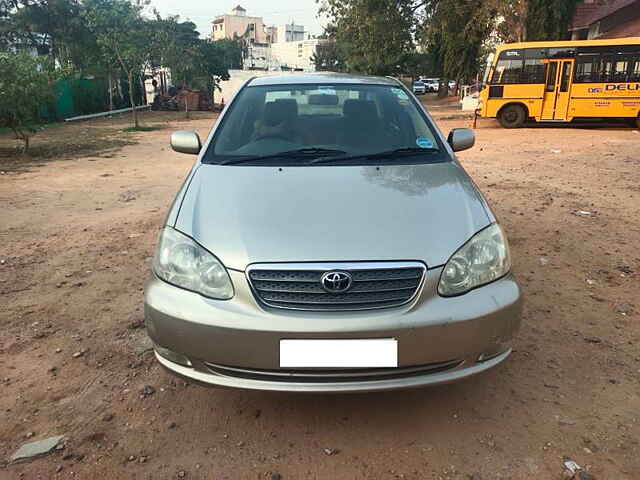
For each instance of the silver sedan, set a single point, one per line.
(328, 240)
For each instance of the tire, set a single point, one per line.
(512, 116)
(638, 122)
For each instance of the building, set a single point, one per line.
(238, 24)
(606, 19)
(281, 47)
(296, 55)
(289, 33)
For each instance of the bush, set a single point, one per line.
(26, 84)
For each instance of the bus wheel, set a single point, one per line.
(638, 122)
(512, 116)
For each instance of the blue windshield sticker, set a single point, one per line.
(424, 142)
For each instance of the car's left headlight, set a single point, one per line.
(481, 260)
(180, 261)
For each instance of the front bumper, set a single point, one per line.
(235, 343)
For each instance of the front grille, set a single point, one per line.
(332, 375)
(299, 287)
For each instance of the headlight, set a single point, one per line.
(481, 260)
(182, 262)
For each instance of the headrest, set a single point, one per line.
(360, 109)
(283, 109)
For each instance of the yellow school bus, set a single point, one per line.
(563, 81)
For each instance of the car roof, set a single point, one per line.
(320, 77)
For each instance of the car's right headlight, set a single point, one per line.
(180, 261)
(481, 260)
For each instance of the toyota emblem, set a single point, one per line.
(336, 282)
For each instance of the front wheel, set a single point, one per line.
(512, 116)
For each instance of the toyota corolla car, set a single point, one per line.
(328, 240)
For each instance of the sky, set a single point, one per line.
(274, 12)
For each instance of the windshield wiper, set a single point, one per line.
(299, 153)
(398, 152)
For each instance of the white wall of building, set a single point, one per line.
(290, 33)
(236, 80)
(295, 54)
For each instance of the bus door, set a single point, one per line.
(557, 89)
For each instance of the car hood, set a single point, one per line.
(249, 214)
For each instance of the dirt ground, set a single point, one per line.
(76, 239)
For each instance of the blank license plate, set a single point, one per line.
(347, 353)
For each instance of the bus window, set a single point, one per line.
(533, 71)
(566, 74)
(509, 67)
(552, 71)
(587, 68)
(634, 71)
(614, 69)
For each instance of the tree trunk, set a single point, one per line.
(443, 88)
(110, 92)
(20, 135)
(144, 91)
(133, 103)
(186, 106)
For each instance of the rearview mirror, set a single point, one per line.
(186, 141)
(461, 139)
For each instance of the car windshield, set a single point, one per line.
(305, 124)
(418, 84)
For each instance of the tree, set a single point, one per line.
(454, 32)
(549, 19)
(513, 26)
(176, 47)
(534, 20)
(328, 56)
(26, 84)
(123, 34)
(51, 27)
(373, 36)
(232, 52)
(211, 63)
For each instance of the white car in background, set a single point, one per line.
(432, 84)
(419, 88)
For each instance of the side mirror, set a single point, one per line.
(186, 141)
(461, 139)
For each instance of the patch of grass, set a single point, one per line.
(144, 128)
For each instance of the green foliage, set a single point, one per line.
(373, 36)
(192, 61)
(454, 32)
(549, 19)
(232, 53)
(175, 46)
(440, 37)
(211, 63)
(52, 27)
(122, 35)
(121, 32)
(26, 83)
(327, 56)
(534, 20)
